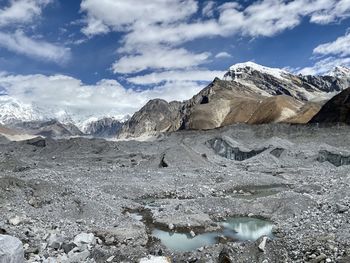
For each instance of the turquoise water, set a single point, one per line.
(238, 228)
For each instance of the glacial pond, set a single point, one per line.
(235, 229)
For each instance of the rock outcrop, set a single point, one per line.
(106, 127)
(336, 110)
(156, 116)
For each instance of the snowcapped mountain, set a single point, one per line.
(236, 70)
(13, 111)
(273, 81)
(340, 72)
(249, 93)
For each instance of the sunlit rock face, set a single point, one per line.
(248, 93)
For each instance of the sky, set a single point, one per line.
(109, 57)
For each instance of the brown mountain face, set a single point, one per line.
(336, 110)
(249, 93)
(156, 116)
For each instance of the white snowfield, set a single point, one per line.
(276, 72)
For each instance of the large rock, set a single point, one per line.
(84, 239)
(335, 110)
(154, 259)
(11, 250)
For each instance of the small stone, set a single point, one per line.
(55, 241)
(153, 259)
(78, 256)
(171, 226)
(250, 215)
(67, 247)
(84, 239)
(15, 221)
(193, 234)
(262, 244)
(318, 259)
(110, 259)
(341, 208)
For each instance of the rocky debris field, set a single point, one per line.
(91, 200)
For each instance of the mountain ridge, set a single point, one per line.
(248, 93)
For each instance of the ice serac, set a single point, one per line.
(248, 93)
(336, 110)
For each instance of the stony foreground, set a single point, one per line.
(89, 200)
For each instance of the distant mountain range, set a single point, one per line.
(248, 93)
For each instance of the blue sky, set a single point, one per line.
(138, 50)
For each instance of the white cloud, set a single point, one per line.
(171, 23)
(341, 46)
(223, 55)
(332, 54)
(159, 58)
(21, 11)
(20, 43)
(105, 98)
(121, 15)
(95, 27)
(208, 8)
(24, 13)
(339, 10)
(171, 76)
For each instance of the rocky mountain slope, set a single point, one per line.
(51, 128)
(249, 93)
(336, 110)
(156, 116)
(105, 127)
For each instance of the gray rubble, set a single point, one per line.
(91, 200)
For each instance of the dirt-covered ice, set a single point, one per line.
(91, 200)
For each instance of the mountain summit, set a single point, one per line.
(248, 93)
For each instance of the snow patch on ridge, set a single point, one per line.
(340, 72)
(276, 72)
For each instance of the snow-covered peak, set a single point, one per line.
(248, 66)
(12, 110)
(340, 72)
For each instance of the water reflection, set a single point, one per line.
(239, 228)
(247, 228)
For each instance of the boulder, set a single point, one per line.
(11, 250)
(84, 239)
(154, 259)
